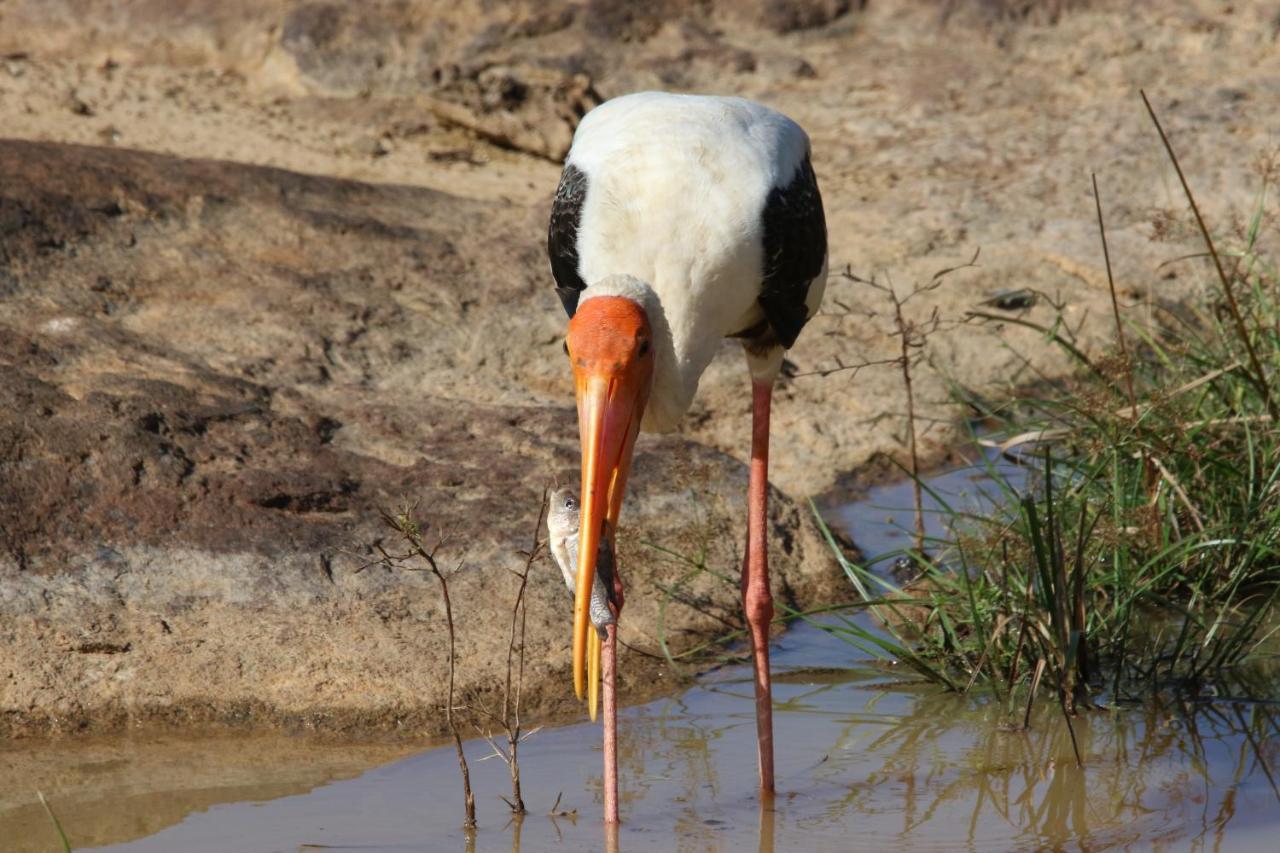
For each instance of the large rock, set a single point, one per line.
(213, 377)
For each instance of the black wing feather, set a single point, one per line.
(562, 236)
(795, 249)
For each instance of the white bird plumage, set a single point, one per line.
(677, 187)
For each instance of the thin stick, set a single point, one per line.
(905, 339)
(1115, 306)
(1259, 378)
(510, 701)
(448, 709)
(407, 528)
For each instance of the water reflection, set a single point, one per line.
(927, 768)
(860, 756)
(765, 827)
(106, 790)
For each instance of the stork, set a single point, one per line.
(679, 220)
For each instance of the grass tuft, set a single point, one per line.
(1144, 552)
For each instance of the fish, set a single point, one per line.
(563, 519)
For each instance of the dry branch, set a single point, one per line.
(409, 530)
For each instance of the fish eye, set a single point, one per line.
(644, 347)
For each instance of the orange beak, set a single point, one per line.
(613, 369)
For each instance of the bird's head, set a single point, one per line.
(610, 346)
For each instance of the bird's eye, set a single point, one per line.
(644, 347)
(570, 503)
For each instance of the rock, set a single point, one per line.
(785, 16)
(212, 379)
(520, 108)
(79, 106)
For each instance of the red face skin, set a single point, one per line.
(610, 347)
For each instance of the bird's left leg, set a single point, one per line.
(757, 600)
(611, 579)
(610, 667)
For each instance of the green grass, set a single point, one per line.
(53, 819)
(1144, 553)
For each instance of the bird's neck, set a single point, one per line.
(680, 354)
(627, 287)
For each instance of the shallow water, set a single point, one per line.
(863, 762)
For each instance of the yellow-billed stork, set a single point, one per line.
(679, 220)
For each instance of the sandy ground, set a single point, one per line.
(933, 138)
(358, 313)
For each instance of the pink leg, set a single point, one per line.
(608, 670)
(757, 600)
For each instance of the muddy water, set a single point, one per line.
(864, 762)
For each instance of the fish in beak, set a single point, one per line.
(610, 348)
(562, 541)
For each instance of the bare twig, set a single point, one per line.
(511, 699)
(841, 367)
(1115, 306)
(912, 336)
(556, 811)
(946, 271)
(404, 524)
(508, 720)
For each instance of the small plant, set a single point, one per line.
(912, 336)
(417, 557)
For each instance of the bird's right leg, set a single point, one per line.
(757, 600)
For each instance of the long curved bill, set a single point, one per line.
(609, 410)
